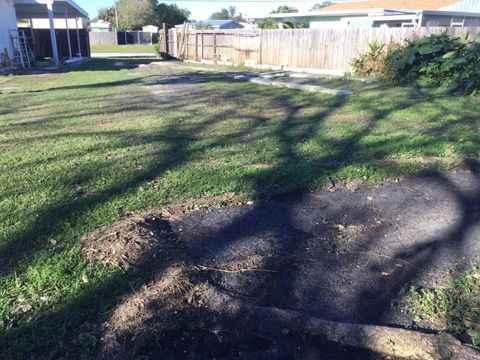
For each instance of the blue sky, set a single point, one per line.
(202, 9)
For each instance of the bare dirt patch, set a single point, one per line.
(344, 256)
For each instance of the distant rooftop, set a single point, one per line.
(390, 4)
(214, 22)
(220, 24)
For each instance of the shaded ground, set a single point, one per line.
(343, 255)
(82, 148)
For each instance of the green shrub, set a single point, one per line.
(375, 61)
(451, 64)
(157, 49)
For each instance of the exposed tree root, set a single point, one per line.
(381, 339)
(236, 271)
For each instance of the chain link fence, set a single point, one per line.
(123, 38)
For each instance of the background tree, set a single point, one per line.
(146, 12)
(285, 9)
(108, 14)
(229, 13)
(171, 15)
(268, 23)
(137, 13)
(323, 4)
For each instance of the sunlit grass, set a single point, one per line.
(120, 49)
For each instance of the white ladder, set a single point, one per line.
(21, 54)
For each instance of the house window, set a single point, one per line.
(437, 21)
(471, 22)
(458, 21)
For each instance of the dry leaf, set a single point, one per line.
(22, 309)
(473, 276)
(471, 324)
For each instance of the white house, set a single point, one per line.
(8, 21)
(150, 29)
(219, 24)
(386, 13)
(50, 14)
(101, 26)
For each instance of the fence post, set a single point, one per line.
(196, 46)
(201, 56)
(260, 55)
(214, 45)
(175, 44)
(164, 38)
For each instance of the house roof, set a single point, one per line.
(390, 4)
(216, 22)
(37, 9)
(101, 24)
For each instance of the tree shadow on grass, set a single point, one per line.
(292, 173)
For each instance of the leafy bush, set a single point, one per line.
(451, 64)
(157, 49)
(268, 23)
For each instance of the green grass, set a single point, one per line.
(81, 148)
(122, 49)
(455, 308)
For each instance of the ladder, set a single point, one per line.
(21, 53)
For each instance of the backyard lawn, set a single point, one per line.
(122, 49)
(82, 148)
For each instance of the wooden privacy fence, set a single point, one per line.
(238, 46)
(328, 49)
(103, 38)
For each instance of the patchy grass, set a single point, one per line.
(122, 49)
(455, 308)
(81, 149)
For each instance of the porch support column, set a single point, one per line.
(68, 35)
(53, 37)
(30, 23)
(78, 38)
